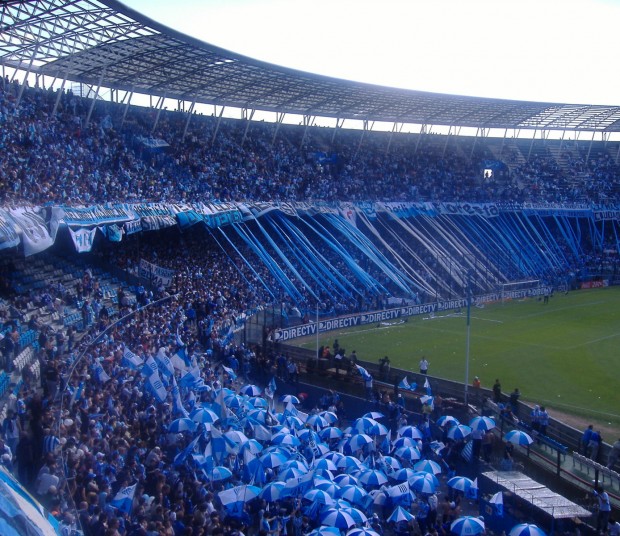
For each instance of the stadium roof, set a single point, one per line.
(104, 43)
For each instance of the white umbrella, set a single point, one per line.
(467, 526)
(518, 437)
(526, 529)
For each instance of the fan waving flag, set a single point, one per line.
(149, 367)
(498, 504)
(271, 388)
(365, 374)
(427, 386)
(156, 387)
(404, 384)
(131, 360)
(123, 500)
(101, 375)
(163, 362)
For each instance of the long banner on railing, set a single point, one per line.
(400, 313)
(36, 227)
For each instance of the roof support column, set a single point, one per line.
(590, 147)
(396, 127)
(279, 120)
(59, 95)
(247, 124)
(365, 129)
(190, 112)
(160, 105)
(127, 96)
(308, 121)
(339, 123)
(219, 120)
(92, 104)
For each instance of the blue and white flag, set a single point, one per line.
(190, 378)
(163, 363)
(404, 384)
(472, 492)
(123, 500)
(131, 360)
(77, 393)
(156, 387)
(150, 367)
(221, 445)
(180, 458)
(498, 504)
(427, 386)
(100, 374)
(400, 493)
(179, 363)
(365, 374)
(177, 403)
(230, 372)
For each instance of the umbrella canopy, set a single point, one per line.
(271, 492)
(460, 483)
(273, 459)
(353, 494)
(319, 496)
(424, 482)
(326, 485)
(379, 497)
(362, 531)
(392, 462)
(308, 435)
(258, 415)
(526, 529)
(408, 453)
(428, 466)
(289, 398)
(518, 438)
(482, 423)
(329, 416)
(340, 519)
(330, 432)
(373, 415)
(373, 477)
(405, 442)
(184, 424)
(459, 431)
(358, 441)
(447, 420)
(257, 402)
(467, 525)
(285, 439)
(356, 514)
(252, 446)
(346, 480)
(238, 494)
(325, 464)
(409, 431)
(324, 531)
(399, 514)
(349, 462)
(236, 436)
(219, 473)
(290, 473)
(378, 430)
(363, 424)
(251, 390)
(203, 415)
(403, 475)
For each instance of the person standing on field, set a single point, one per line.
(424, 365)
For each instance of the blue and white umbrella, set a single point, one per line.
(329, 416)
(307, 435)
(353, 494)
(373, 415)
(459, 431)
(403, 475)
(408, 453)
(204, 415)
(526, 529)
(330, 432)
(289, 398)
(373, 477)
(290, 473)
(257, 415)
(326, 485)
(325, 464)
(271, 492)
(334, 456)
(405, 442)
(447, 420)
(251, 445)
(317, 422)
(410, 431)
(428, 466)
(392, 463)
(424, 482)
(467, 526)
(238, 495)
(219, 473)
(378, 430)
(358, 441)
(251, 390)
(184, 424)
(319, 496)
(340, 519)
(363, 424)
(349, 463)
(518, 437)
(359, 516)
(324, 531)
(482, 423)
(399, 514)
(257, 402)
(285, 439)
(296, 463)
(237, 437)
(273, 459)
(460, 483)
(362, 531)
(346, 480)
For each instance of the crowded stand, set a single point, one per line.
(130, 392)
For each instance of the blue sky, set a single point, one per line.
(541, 50)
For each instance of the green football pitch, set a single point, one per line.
(564, 354)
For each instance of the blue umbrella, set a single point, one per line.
(362, 531)
(257, 402)
(297, 463)
(204, 415)
(460, 483)
(526, 529)
(378, 430)
(329, 416)
(405, 442)
(346, 480)
(184, 424)
(330, 432)
(252, 446)
(428, 466)
(403, 475)
(408, 453)
(289, 398)
(258, 415)
(220, 473)
(363, 424)
(424, 482)
(325, 464)
(459, 431)
(482, 423)
(392, 462)
(358, 441)
(373, 415)
(399, 514)
(467, 526)
(251, 390)
(271, 492)
(447, 419)
(340, 519)
(285, 439)
(373, 477)
(518, 438)
(353, 494)
(348, 463)
(319, 496)
(238, 495)
(409, 431)
(273, 459)
(290, 473)
(324, 531)
(308, 435)
(326, 485)
(317, 422)
(356, 514)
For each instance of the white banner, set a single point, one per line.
(83, 239)
(32, 228)
(156, 274)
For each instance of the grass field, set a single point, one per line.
(564, 355)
